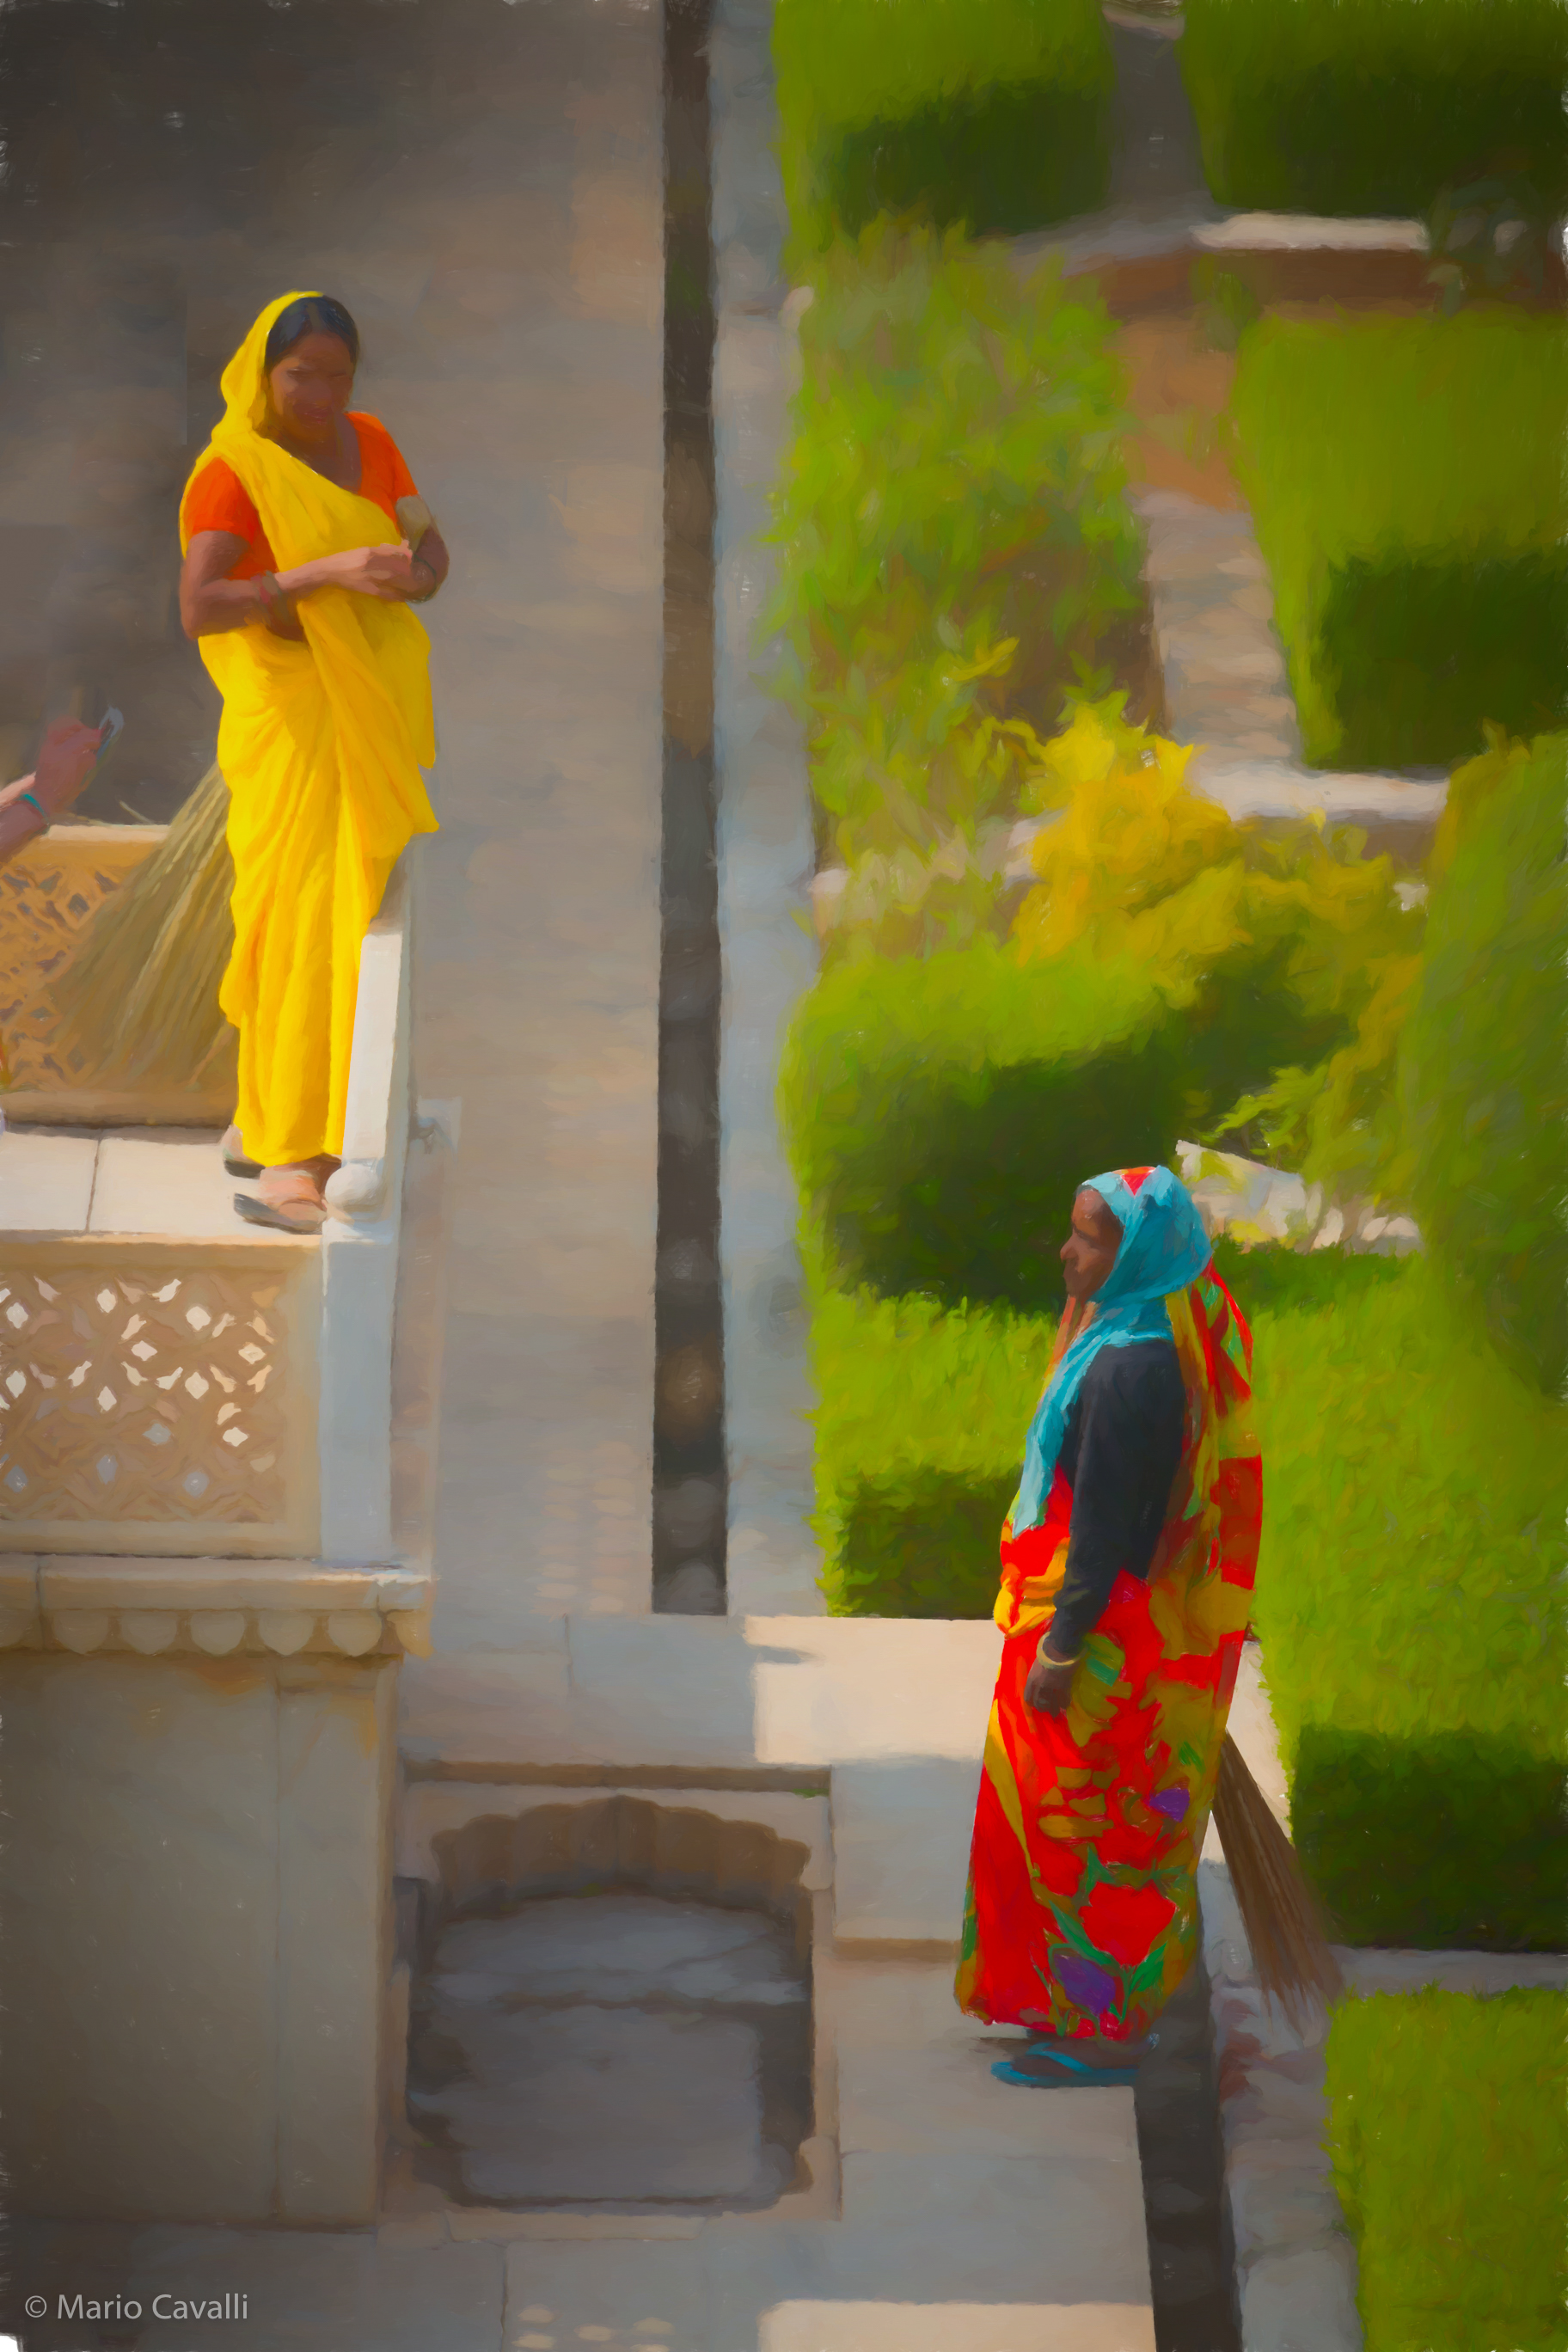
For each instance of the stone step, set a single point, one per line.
(67, 1181)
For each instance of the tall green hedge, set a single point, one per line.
(1414, 1496)
(923, 1410)
(993, 115)
(1484, 1062)
(1448, 2130)
(1414, 1492)
(1353, 107)
(920, 1431)
(1408, 483)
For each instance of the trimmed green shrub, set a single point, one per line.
(1483, 1074)
(1373, 106)
(995, 116)
(940, 1111)
(1413, 1500)
(919, 1433)
(922, 1412)
(1375, 451)
(1415, 649)
(955, 541)
(1448, 2131)
(1453, 1841)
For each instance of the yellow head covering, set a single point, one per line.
(244, 381)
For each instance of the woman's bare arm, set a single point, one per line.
(210, 602)
(64, 762)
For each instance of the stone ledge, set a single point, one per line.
(216, 1608)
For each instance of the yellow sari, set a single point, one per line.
(321, 745)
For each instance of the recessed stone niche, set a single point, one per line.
(612, 2011)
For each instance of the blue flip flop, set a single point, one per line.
(1073, 2069)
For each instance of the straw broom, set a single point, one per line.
(1279, 1911)
(140, 997)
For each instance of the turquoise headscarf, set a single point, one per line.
(1164, 1247)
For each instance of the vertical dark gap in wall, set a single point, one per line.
(1181, 2152)
(689, 1498)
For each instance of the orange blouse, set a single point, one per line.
(217, 502)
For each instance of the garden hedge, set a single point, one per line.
(919, 1436)
(996, 116)
(1483, 1074)
(1406, 481)
(1414, 1491)
(920, 1428)
(939, 1111)
(1448, 2131)
(1374, 106)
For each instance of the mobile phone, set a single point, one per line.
(110, 725)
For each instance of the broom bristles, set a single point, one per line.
(139, 998)
(1284, 1922)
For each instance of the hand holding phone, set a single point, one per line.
(110, 727)
(68, 755)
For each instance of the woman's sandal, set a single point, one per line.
(233, 1160)
(295, 1205)
(1074, 2071)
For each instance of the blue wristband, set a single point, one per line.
(36, 804)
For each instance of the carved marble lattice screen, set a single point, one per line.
(49, 893)
(159, 1398)
(48, 896)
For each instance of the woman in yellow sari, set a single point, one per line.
(296, 584)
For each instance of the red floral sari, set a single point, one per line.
(1081, 1914)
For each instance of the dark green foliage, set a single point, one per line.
(996, 115)
(1408, 1604)
(920, 1543)
(955, 536)
(941, 1113)
(991, 160)
(1269, 1281)
(1483, 1072)
(1416, 651)
(1456, 1841)
(919, 1430)
(1373, 106)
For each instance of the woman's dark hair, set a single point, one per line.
(312, 314)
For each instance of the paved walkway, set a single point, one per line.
(533, 382)
(944, 2212)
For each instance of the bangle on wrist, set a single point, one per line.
(33, 801)
(1046, 1659)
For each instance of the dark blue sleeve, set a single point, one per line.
(1132, 1413)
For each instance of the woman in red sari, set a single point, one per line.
(1127, 1568)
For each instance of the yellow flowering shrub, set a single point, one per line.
(1290, 953)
